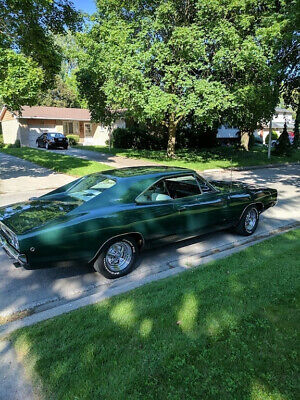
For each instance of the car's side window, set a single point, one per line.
(157, 192)
(204, 186)
(182, 186)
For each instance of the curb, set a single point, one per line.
(175, 267)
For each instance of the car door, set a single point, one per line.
(197, 211)
(155, 215)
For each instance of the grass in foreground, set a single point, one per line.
(57, 162)
(227, 331)
(220, 157)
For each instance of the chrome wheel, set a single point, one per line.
(118, 256)
(250, 220)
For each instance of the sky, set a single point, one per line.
(88, 6)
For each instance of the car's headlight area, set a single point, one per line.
(11, 237)
(15, 242)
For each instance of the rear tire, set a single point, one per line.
(249, 221)
(117, 258)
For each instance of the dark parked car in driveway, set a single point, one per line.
(52, 140)
(106, 218)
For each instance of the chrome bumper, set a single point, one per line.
(12, 253)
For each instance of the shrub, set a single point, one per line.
(139, 137)
(283, 146)
(1, 142)
(73, 140)
(15, 145)
(274, 137)
(196, 137)
(122, 138)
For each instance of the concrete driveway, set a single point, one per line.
(20, 180)
(108, 159)
(42, 289)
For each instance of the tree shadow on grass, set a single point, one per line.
(224, 332)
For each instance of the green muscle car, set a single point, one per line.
(105, 219)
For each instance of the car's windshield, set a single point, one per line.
(90, 186)
(54, 134)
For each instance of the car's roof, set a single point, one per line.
(146, 171)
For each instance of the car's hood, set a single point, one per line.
(23, 217)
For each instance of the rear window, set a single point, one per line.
(90, 186)
(56, 135)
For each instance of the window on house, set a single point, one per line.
(87, 129)
(68, 128)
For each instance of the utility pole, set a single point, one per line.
(270, 140)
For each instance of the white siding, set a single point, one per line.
(100, 133)
(10, 131)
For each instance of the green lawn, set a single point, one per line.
(220, 157)
(226, 331)
(57, 162)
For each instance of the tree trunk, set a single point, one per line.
(296, 128)
(172, 138)
(245, 140)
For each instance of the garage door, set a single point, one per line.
(36, 131)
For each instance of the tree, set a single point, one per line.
(27, 47)
(290, 53)
(283, 147)
(61, 95)
(166, 60)
(292, 99)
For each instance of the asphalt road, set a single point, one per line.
(41, 289)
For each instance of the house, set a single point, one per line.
(281, 116)
(225, 132)
(33, 121)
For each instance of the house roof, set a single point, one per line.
(42, 112)
(79, 114)
(283, 110)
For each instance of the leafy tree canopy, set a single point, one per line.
(64, 92)
(165, 60)
(30, 58)
(61, 95)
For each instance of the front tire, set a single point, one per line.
(117, 258)
(249, 221)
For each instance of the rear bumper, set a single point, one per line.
(12, 253)
(57, 145)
